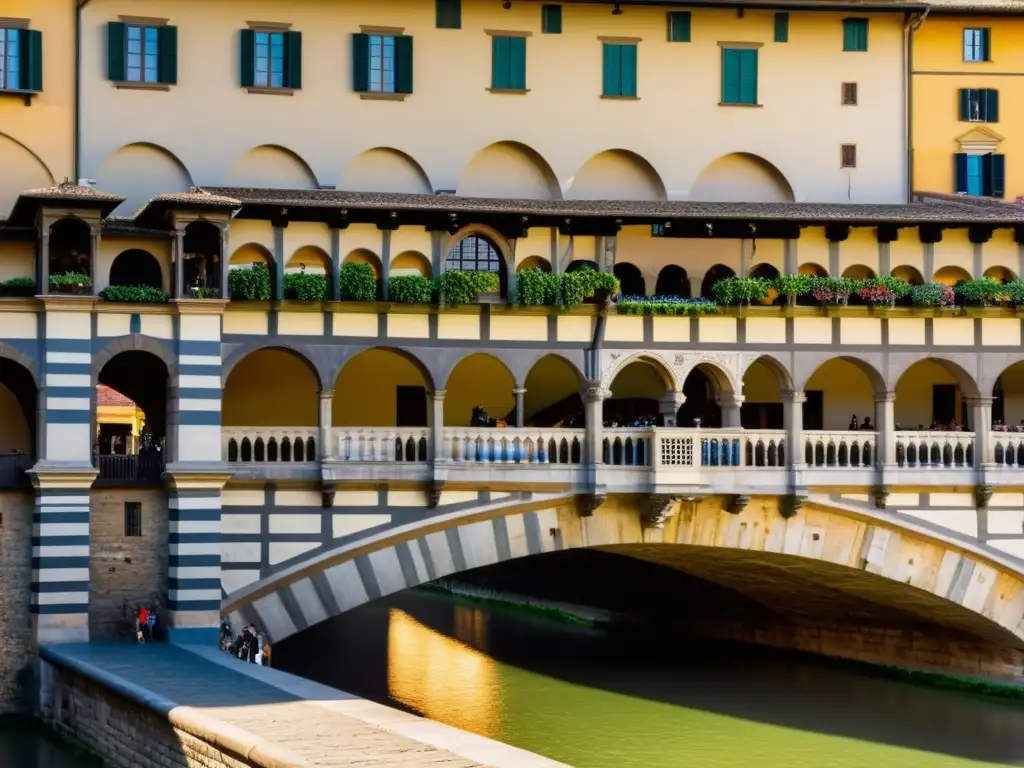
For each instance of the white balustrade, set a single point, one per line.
(629, 446)
(743, 448)
(1008, 448)
(406, 445)
(840, 448)
(509, 445)
(934, 449)
(269, 444)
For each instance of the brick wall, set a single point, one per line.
(16, 651)
(125, 570)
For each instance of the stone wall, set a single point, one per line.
(125, 570)
(16, 667)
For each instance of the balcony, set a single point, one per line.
(130, 469)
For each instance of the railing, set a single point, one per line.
(628, 447)
(12, 470)
(743, 448)
(375, 444)
(935, 449)
(142, 468)
(513, 445)
(269, 444)
(849, 448)
(692, 447)
(1008, 448)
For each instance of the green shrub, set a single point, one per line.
(932, 295)
(584, 283)
(741, 290)
(304, 286)
(357, 282)
(71, 278)
(983, 291)
(535, 287)
(1015, 291)
(206, 292)
(792, 285)
(458, 287)
(137, 294)
(411, 289)
(665, 305)
(899, 287)
(833, 290)
(250, 283)
(18, 286)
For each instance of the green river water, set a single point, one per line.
(595, 699)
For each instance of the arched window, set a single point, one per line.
(631, 279)
(136, 267)
(475, 253)
(673, 281)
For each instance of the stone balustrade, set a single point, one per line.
(269, 444)
(512, 445)
(834, 448)
(934, 449)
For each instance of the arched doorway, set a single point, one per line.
(631, 279)
(131, 418)
(703, 390)
(136, 267)
(70, 247)
(673, 281)
(203, 259)
(712, 276)
(552, 396)
(476, 253)
(640, 393)
(18, 444)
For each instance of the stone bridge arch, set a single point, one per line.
(862, 555)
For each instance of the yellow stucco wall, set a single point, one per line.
(270, 388)
(939, 71)
(358, 405)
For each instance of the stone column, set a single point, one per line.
(326, 417)
(94, 257)
(668, 407)
(279, 258)
(981, 424)
(225, 261)
(696, 284)
(43, 287)
(885, 425)
(730, 403)
(793, 418)
(593, 405)
(334, 288)
(437, 426)
(178, 261)
(520, 414)
(385, 262)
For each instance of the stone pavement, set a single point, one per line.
(321, 726)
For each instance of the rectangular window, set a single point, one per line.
(382, 63)
(141, 55)
(979, 105)
(508, 63)
(980, 175)
(10, 59)
(679, 27)
(619, 69)
(848, 156)
(137, 53)
(976, 45)
(739, 76)
(132, 518)
(781, 27)
(269, 60)
(551, 19)
(849, 97)
(449, 14)
(855, 34)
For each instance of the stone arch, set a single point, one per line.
(616, 174)
(135, 342)
(425, 370)
(534, 262)
(553, 383)
(950, 275)
(298, 351)
(71, 246)
(136, 267)
(14, 355)
(411, 263)
(673, 281)
(897, 563)
(506, 257)
(712, 276)
(858, 272)
(812, 269)
(385, 170)
(920, 402)
(23, 170)
(741, 177)
(253, 253)
(479, 379)
(875, 379)
(365, 256)
(631, 279)
(374, 378)
(270, 166)
(782, 373)
(145, 371)
(314, 259)
(1000, 274)
(1007, 390)
(19, 395)
(667, 374)
(141, 171)
(905, 272)
(963, 377)
(509, 169)
(278, 384)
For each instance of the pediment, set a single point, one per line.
(979, 135)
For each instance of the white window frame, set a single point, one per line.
(382, 63)
(267, 77)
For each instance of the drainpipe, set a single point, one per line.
(911, 26)
(78, 89)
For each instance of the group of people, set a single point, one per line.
(250, 644)
(865, 425)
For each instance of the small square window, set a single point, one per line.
(132, 518)
(976, 45)
(855, 34)
(848, 156)
(849, 98)
(679, 27)
(551, 19)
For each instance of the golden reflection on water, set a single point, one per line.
(442, 678)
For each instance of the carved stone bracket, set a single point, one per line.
(791, 504)
(880, 495)
(327, 496)
(656, 508)
(982, 496)
(587, 503)
(434, 493)
(736, 503)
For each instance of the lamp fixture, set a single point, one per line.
(617, 10)
(506, 4)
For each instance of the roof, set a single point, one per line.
(65, 192)
(976, 6)
(809, 5)
(153, 212)
(116, 227)
(939, 211)
(105, 396)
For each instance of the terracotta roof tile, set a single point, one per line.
(111, 397)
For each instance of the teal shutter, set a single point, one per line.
(167, 45)
(986, 45)
(960, 173)
(31, 52)
(551, 19)
(449, 14)
(500, 62)
(996, 175)
(293, 59)
(628, 69)
(965, 104)
(247, 59)
(117, 51)
(781, 27)
(855, 34)
(361, 63)
(612, 70)
(991, 103)
(517, 63)
(748, 76)
(730, 76)
(403, 64)
(679, 27)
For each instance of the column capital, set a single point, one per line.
(794, 396)
(594, 394)
(888, 396)
(438, 394)
(326, 394)
(980, 402)
(729, 398)
(673, 398)
(519, 391)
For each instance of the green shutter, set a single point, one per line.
(781, 27)
(612, 77)
(499, 62)
(986, 45)
(679, 27)
(167, 43)
(361, 63)
(996, 175)
(730, 76)
(31, 52)
(628, 69)
(551, 19)
(247, 59)
(965, 104)
(403, 64)
(117, 50)
(855, 34)
(960, 173)
(517, 63)
(991, 102)
(293, 59)
(748, 76)
(449, 14)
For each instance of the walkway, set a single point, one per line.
(320, 726)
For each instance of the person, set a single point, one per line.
(254, 643)
(225, 634)
(151, 626)
(867, 425)
(479, 417)
(266, 654)
(853, 423)
(141, 623)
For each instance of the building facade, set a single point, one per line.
(433, 137)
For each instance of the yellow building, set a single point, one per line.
(966, 89)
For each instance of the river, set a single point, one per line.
(26, 745)
(596, 699)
